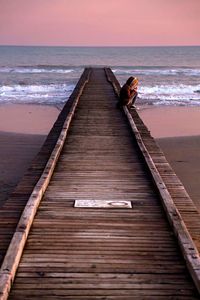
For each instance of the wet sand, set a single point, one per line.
(23, 129)
(177, 132)
(16, 153)
(27, 118)
(184, 156)
(171, 121)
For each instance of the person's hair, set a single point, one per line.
(130, 80)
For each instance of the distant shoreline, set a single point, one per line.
(101, 46)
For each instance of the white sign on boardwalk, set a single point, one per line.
(103, 204)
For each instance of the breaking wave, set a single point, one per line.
(170, 94)
(36, 69)
(157, 71)
(41, 94)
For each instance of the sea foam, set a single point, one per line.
(35, 70)
(156, 71)
(41, 94)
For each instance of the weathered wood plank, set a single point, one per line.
(83, 253)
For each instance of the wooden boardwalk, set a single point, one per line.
(100, 153)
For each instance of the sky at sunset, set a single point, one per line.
(100, 22)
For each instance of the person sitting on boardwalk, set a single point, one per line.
(128, 93)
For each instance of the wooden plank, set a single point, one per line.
(14, 252)
(75, 253)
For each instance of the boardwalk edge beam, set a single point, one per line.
(15, 250)
(186, 244)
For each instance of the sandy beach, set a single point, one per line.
(184, 156)
(23, 129)
(171, 121)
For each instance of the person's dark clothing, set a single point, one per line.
(127, 96)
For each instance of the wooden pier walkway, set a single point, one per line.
(96, 155)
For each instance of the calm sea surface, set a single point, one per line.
(47, 75)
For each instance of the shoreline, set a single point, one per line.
(24, 127)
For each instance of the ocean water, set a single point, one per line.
(47, 75)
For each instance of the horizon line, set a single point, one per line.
(96, 46)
